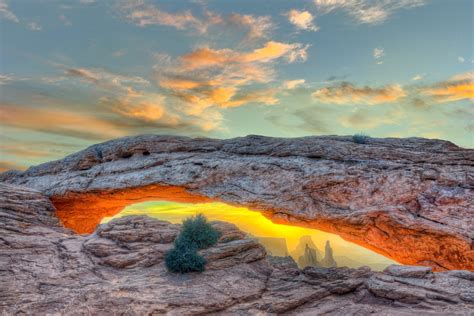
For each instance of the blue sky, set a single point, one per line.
(74, 73)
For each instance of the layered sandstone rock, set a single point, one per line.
(48, 269)
(409, 199)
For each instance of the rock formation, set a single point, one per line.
(409, 199)
(309, 258)
(328, 260)
(46, 268)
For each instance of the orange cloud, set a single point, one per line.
(8, 165)
(303, 20)
(57, 121)
(206, 57)
(274, 50)
(346, 93)
(188, 76)
(459, 87)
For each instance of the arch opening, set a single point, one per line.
(382, 232)
(307, 246)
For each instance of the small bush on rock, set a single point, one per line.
(360, 138)
(183, 258)
(196, 233)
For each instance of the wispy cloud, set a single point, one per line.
(104, 78)
(367, 11)
(6, 13)
(292, 84)
(362, 119)
(33, 26)
(257, 26)
(145, 14)
(457, 88)
(347, 93)
(418, 77)
(5, 79)
(57, 121)
(303, 20)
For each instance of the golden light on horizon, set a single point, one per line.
(257, 225)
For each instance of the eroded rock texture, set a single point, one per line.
(409, 199)
(119, 270)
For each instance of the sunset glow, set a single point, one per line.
(257, 225)
(80, 72)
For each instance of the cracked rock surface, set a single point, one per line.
(409, 199)
(48, 269)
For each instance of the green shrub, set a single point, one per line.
(198, 231)
(183, 258)
(360, 138)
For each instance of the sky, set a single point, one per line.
(78, 72)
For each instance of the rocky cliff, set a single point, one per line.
(409, 199)
(48, 269)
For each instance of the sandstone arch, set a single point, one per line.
(409, 199)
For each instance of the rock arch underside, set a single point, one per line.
(411, 200)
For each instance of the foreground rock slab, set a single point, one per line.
(48, 269)
(409, 199)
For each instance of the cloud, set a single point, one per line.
(57, 121)
(461, 59)
(206, 57)
(34, 26)
(143, 14)
(151, 110)
(367, 11)
(6, 13)
(105, 79)
(346, 93)
(292, 84)
(362, 119)
(418, 77)
(4, 79)
(378, 53)
(258, 26)
(457, 88)
(303, 20)
(218, 78)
